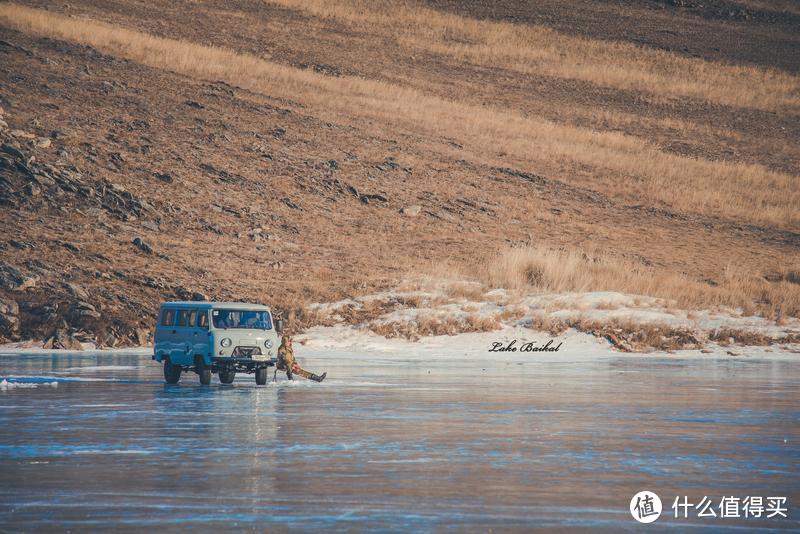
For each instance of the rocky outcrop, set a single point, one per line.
(63, 340)
(411, 211)
(9, 318)
(13, 280)
(27, 184)
(185, 294)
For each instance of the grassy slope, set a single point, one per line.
(335, 245)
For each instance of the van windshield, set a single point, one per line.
(254, 319)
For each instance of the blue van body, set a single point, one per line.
(223, 337)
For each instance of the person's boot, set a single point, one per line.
(289, 375)
(319, 378)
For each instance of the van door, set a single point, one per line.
(186, 334)
(203, 342)
(165, 333)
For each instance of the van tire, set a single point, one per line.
(203, 371)
(261, 376)
(172, 373)
(226, 376)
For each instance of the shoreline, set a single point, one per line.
(324, 341)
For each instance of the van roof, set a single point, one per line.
(209, 305)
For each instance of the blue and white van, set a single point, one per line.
(215, 337)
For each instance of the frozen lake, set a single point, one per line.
(392, 443)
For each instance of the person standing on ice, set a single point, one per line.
(286, 362)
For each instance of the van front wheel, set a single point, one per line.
(226, 376)
(203, 371)
(172, 373)
(261, 376)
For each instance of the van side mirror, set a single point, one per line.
(279, 325)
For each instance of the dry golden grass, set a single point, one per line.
(543, 51)
(541, 269)
(419, 301)
(303, 317)
(622, 165)
(626, 335)
(465, 290)
(512, 313)
(432, 325)
(729, 336)
(788, 274)
(629, 335)
(545, 323)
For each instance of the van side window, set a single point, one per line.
(186, 317)
(168, 318)
(202, 319)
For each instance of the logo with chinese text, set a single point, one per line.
(755, 506)
(645, 507)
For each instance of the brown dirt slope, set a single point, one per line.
(137, 185)
(759, 33)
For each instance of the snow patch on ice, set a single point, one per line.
(56, 379)
(5, 385)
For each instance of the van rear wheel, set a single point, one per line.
(172, 373)
(203, 371)
(261, 376)
(226, 376)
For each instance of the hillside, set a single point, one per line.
(300, 151)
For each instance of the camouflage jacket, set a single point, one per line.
(285, 356)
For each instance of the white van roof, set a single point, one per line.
(210, 305)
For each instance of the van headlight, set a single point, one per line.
(226, 342)
(268, 343)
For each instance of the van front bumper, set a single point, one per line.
(244, 351)
(242, 365)
(244, 360)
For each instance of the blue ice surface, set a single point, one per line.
(551, 446)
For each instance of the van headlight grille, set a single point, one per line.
(246, 352)
(226, 342)
(268, 343)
